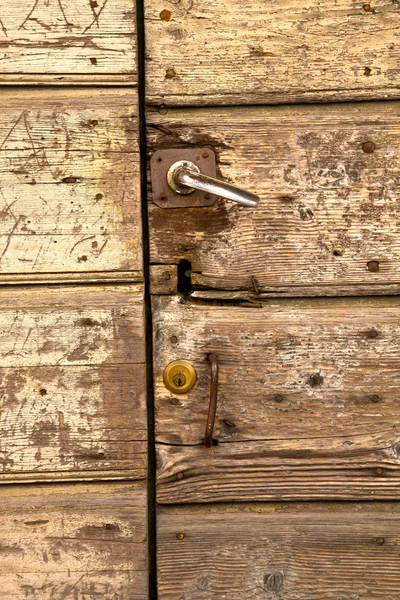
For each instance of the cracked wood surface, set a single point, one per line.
(69, 182)
(73, 541)
(251, 52)
(291, 551)
(329, 204)
(72, 382)
(79, 41)
(307, 402)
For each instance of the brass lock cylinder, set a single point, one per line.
(179, 377)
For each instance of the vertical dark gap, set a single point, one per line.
(151, 455)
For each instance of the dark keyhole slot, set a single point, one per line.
(185, 277)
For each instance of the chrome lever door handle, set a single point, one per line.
(184, 177)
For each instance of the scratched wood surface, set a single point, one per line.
(328, 179)
(307, 401)
(307, 551)
(251, 52)
(69, 171)
(72, 383)
(90, 42)
(73, 541)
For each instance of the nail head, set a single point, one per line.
(373, 266)
(368, 147)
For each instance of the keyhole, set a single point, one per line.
(179, 380)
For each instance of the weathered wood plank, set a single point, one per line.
(56, 41)
(248, 52)
(308, 400)
(328, 214)
(291, 552)
(72, 383)
(73, 541)
(70, 190)
(163, 279)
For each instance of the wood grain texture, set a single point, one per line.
(328, 210)
(251, 52)
(291, 552)
(76, 542)
(307, 402)
(57, 41)
(72, 383)
(163, 279)
(70, 189)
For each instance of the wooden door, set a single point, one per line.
(72, 353)
(298, 298)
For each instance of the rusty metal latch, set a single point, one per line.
(212, 408)
(187, 178)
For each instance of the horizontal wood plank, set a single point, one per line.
(72, 383)
(73, 541)
(48, 42)
(251, 52)
(163, 279)
(328, 179)
(70, 189)
(291, 552)
(307, 402)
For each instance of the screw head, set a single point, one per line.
(165, 15)
(380, 541)
(180, 536)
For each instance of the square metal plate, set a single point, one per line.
(163, 195)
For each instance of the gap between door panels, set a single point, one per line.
(151, 454)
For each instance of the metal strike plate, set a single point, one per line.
(161, 161)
